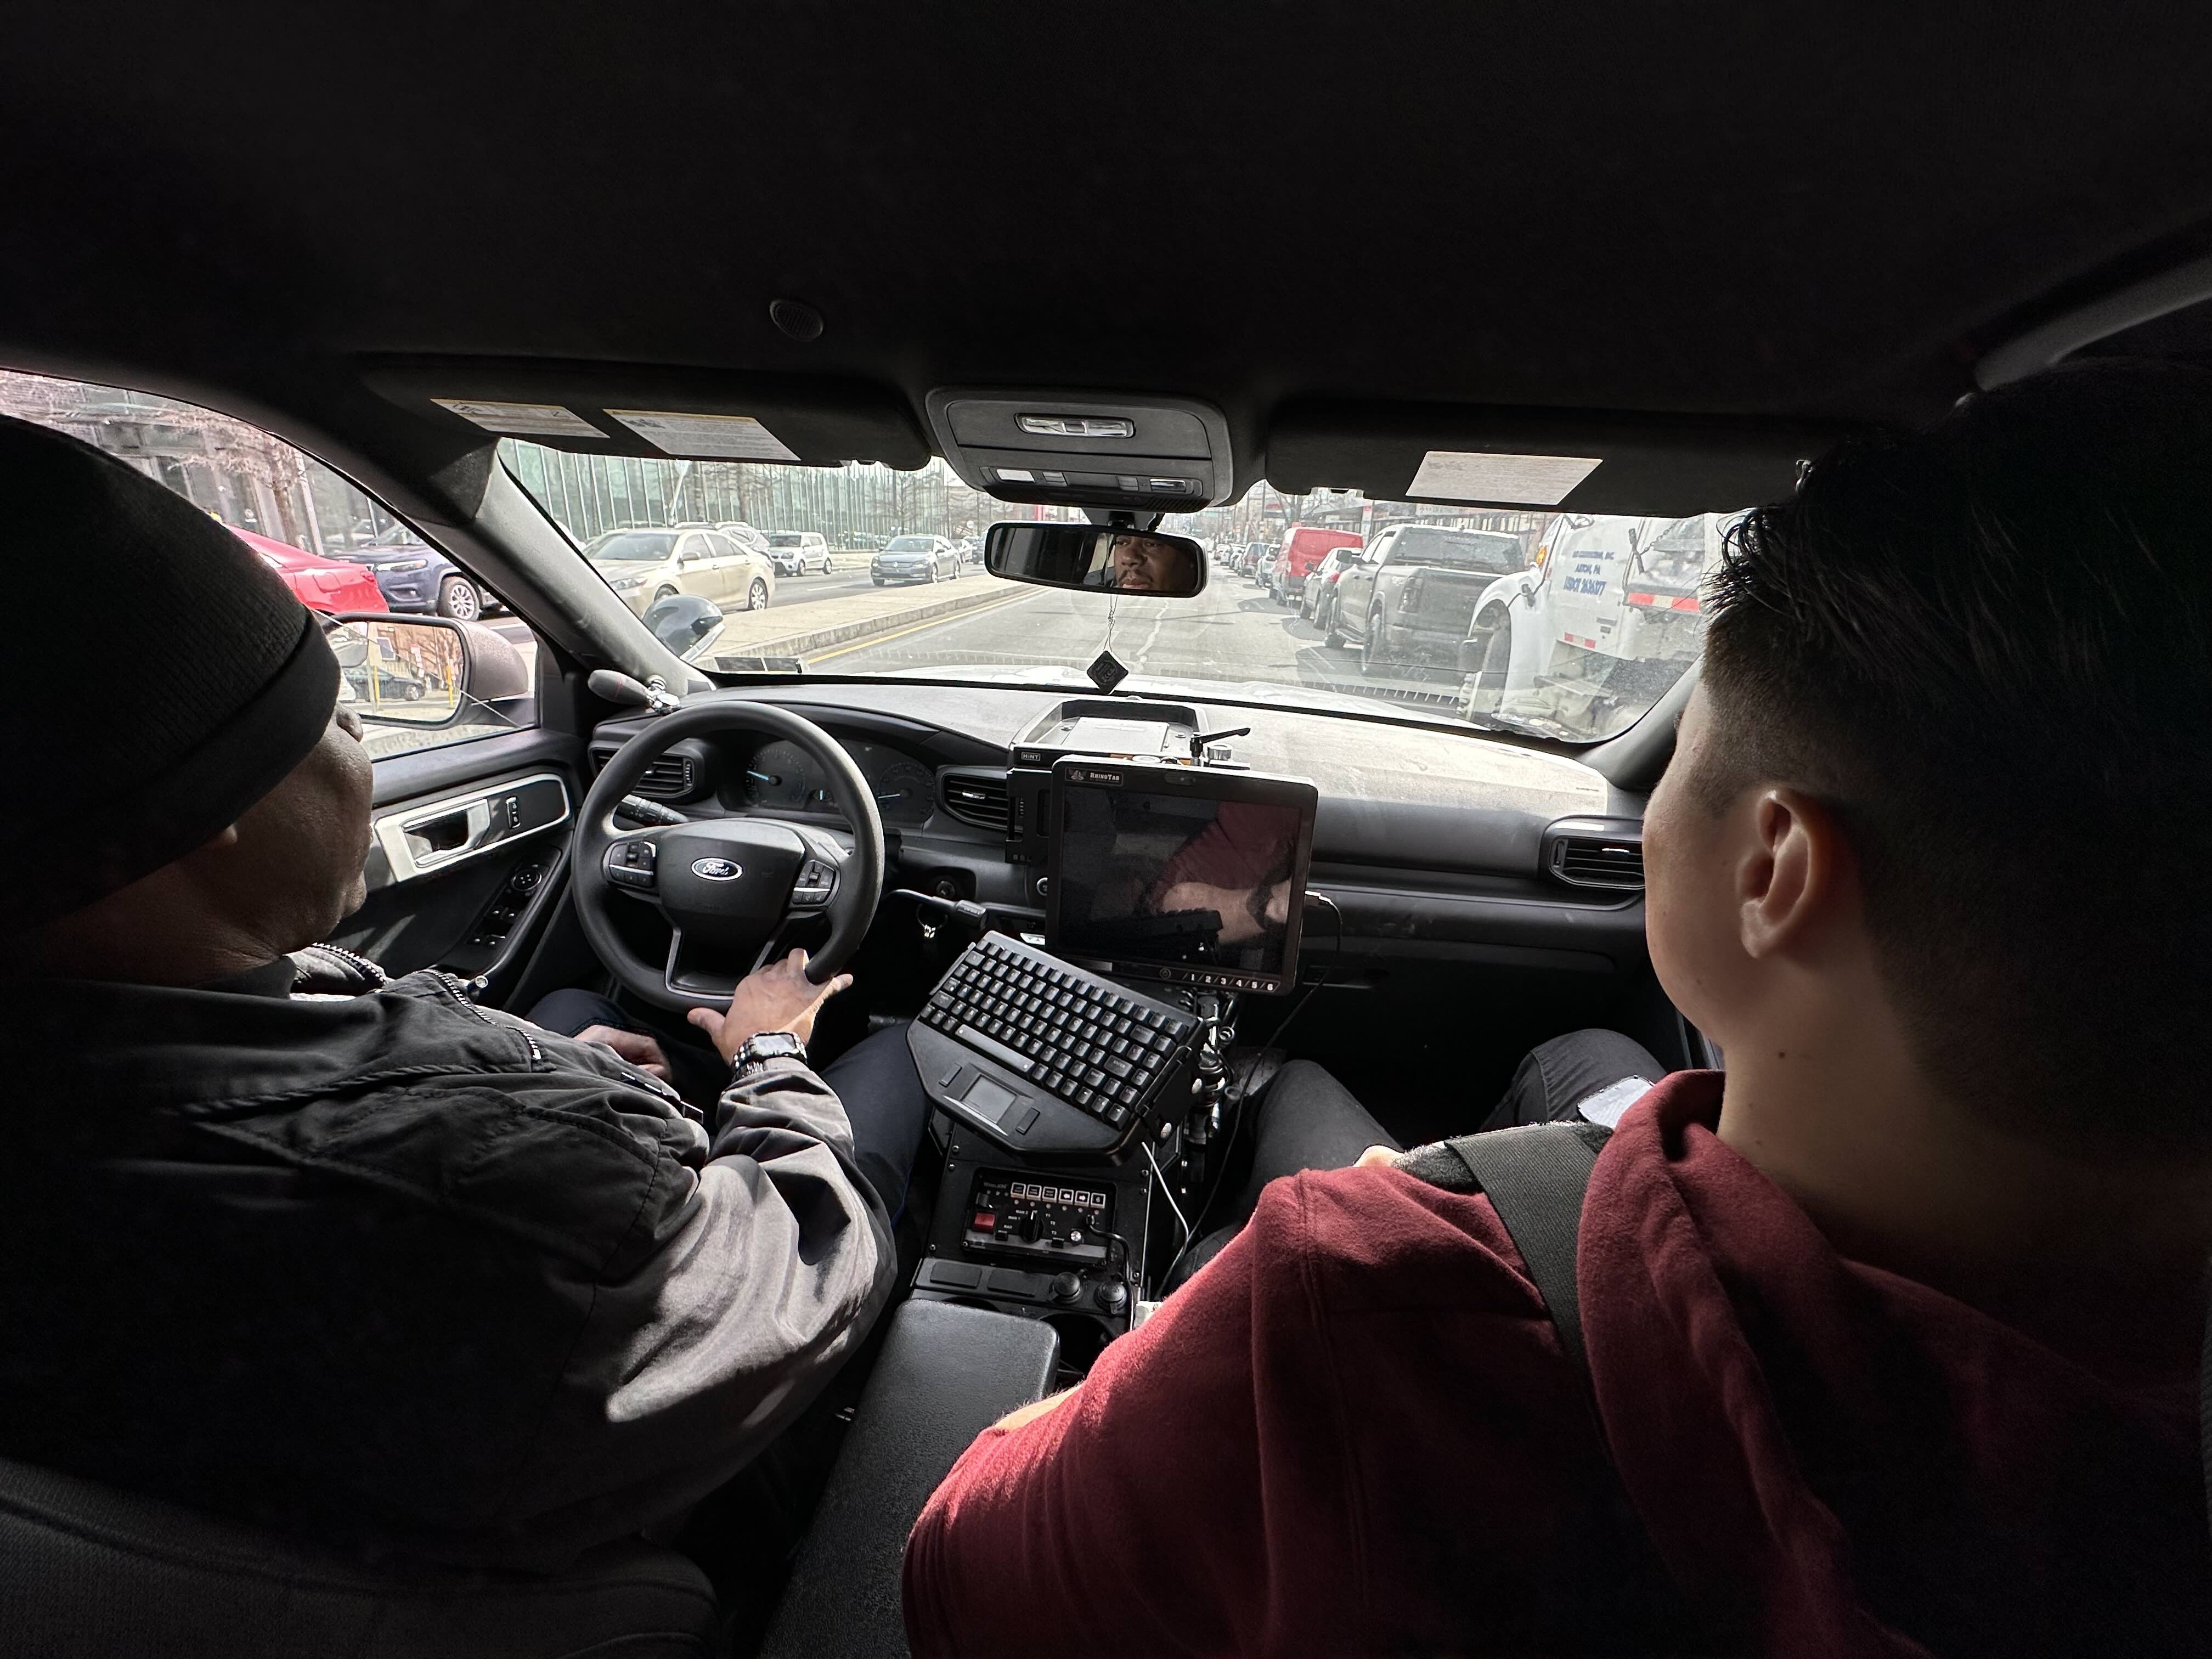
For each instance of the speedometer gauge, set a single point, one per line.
(906, 790)
(782, 778)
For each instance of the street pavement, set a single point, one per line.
(1232, 631)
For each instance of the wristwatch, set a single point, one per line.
(764, 1046)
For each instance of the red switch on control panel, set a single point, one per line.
(985, 1221)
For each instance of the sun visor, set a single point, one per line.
(659, 413)
(1578, 463)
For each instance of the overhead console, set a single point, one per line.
(1140, 454)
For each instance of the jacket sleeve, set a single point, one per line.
(1178, 1502)
(1243, 848)
(749, 1270)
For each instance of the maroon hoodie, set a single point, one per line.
(1355, 1432)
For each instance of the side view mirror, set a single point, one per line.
(1086, 558)
(686, 624)
(422, 670)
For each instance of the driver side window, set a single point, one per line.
(431, 658)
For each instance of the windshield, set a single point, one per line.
(1559, 625)
(647, 548)
(786, 538)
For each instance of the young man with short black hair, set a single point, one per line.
(1893, 1328)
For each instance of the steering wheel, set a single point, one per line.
(731, 889)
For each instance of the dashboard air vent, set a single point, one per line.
(974, 797)
(673, 777)
(1596, 853)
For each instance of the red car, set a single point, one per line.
(325, 585)
(1303, 549)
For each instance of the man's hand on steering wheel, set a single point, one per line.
(777, 998)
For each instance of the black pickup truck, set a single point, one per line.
(1412, 595)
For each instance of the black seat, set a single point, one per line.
(87, 1572)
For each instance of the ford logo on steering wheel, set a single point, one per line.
(717, 869)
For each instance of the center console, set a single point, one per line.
(1074, 1068)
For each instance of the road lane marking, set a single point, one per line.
(933, 622)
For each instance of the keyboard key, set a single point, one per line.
(1117, 1068)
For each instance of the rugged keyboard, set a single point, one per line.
(1043, 1057)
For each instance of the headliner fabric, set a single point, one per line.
(158, 677)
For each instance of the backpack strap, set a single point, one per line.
(1535, 1177)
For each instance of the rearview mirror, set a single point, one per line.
(408, 671)
(1083, 556)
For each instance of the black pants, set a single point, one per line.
(1309, 1120)
(875, 1078)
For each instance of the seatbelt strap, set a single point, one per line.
(1535, 1177)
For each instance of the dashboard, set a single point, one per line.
(1437, 850)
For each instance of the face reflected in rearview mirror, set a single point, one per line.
(1084, 557)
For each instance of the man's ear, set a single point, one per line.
(1793, 874)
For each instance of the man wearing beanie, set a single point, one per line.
(382, 1269)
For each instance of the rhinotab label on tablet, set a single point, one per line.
(1460, 474)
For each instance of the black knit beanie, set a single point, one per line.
(157, 678)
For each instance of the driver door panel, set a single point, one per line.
(467, 867)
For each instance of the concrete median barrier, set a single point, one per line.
(826, 623)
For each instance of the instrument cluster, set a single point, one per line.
(781, 779)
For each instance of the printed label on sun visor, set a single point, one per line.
(540, 420)
(725, 437)
(1459, 475)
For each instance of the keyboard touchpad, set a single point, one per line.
(990, 1099)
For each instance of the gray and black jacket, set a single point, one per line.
(393, 1270)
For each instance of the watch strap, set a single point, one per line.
(765, 1046)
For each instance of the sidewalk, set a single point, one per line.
(815, 627)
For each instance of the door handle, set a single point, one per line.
(444, 832)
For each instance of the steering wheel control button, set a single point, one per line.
(630, 864)
(816, 881)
